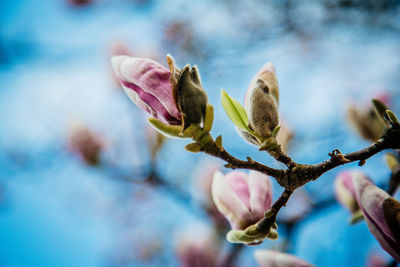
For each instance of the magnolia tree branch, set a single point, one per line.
(297, 175)
(268, 221)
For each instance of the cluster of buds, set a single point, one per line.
(243, 199)
(179, 107)
(380, 210)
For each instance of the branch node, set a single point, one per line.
(336, 155)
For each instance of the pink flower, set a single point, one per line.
(86, 144)
(147, 83)
(242, 198)
(269, 258)
(382, 214)
(197, 246)
(173, 97)
(344, 189)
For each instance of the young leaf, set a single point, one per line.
(209, 118)
(235, 111)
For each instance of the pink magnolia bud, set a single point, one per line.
(261, 104)
(197, 246)
(79, 2)
(375, 260)
(269, 258)
(147, 84)
(382, 214)
(344, 189)
(242, 198)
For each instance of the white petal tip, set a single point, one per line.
(269, 66)
(116, 62)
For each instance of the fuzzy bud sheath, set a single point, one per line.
(261, 104)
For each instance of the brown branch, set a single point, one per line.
(266, 223)
(296, 175)
(301, 174)
(212, 149)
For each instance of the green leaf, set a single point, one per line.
(193, 147)
(235, 111)
(209, 118)
(165, 129)
(218, 141)
(275, 131)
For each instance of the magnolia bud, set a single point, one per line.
(268, 258)
(261, 105)
(86, 144)
(197, 246)
(262, 109)
(381, 212)
(188, 93)
(344, 190)
(243, 198)
(366, 120)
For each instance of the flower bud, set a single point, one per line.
(86, 144)
(175, 99)
(375, 260)
(382, 214)
(189, 95)
(344, 190)
(366, 121)
(146, 82)
(268, 258)
(261, 105)
(197, 246)
(242, 198)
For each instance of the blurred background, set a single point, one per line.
(85, 182)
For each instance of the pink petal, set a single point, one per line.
(269, 66)
(269, 258)
(150, 81)
(229, 203)
(238, 181)
(370, 198)
(260, 194)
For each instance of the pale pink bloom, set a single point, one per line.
(147, 84)
(197, 246)
(270, 258)
(344, 189)
(382, 214)
(241, 197)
